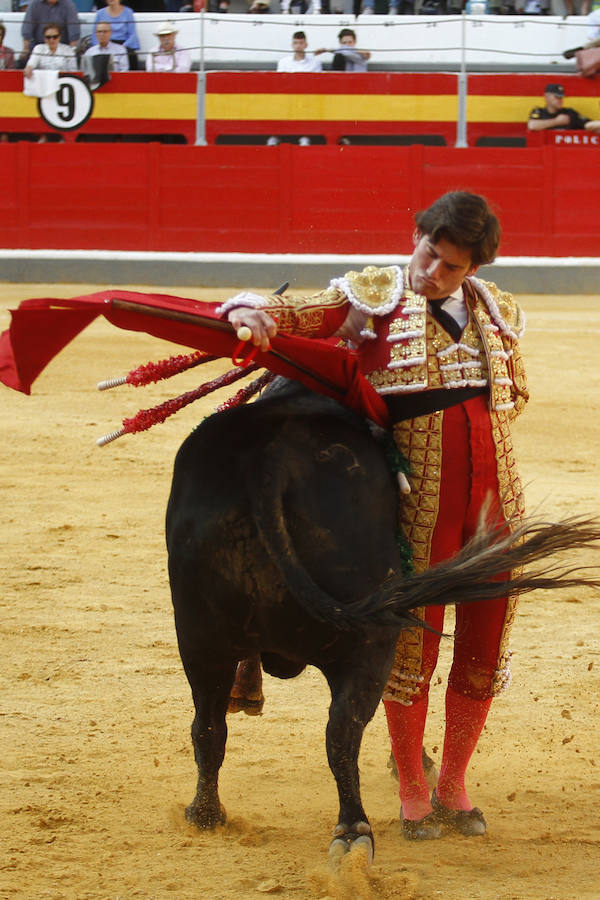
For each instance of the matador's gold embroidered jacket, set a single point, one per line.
(401, 347)
(404, 350)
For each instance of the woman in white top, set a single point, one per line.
(51, 54)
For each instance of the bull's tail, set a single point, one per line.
(469, 576)
(271, 523)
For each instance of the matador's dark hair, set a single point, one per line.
(465, 220)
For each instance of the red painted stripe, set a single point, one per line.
(530, 85)
(330, 83)
(125, 82)
(151, 83)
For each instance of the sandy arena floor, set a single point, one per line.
(96, 710)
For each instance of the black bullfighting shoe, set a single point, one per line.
(426, 829)
(469, 822)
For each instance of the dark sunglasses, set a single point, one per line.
(52, 37)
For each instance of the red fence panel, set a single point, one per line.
(288, 199)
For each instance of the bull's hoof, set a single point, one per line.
(201, 816)
(348, 839)
(248, 705)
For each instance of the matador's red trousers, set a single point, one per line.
(468, 482)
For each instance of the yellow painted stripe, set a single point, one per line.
(18, 106)
(307, 107)
(113, 106)
(332, 107)
(144, 106)
(517, 109)
(377, 107)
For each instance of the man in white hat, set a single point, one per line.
(167, 57)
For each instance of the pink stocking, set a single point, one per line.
(465, 719)
(406, 725)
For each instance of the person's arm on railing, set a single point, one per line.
(561, 120)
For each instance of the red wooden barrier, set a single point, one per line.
(333, 106)
(330, 106)
(131, 103)
(288, 199)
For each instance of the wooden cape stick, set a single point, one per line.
(217, 325)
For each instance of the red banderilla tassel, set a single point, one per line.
(146, 418)
(245, 393)
(165, 368)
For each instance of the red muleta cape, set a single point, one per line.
(41, 328)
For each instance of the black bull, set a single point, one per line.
(281, 531)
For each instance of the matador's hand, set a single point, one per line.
(260, 323)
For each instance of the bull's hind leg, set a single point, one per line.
(210, 690)
(355, 694)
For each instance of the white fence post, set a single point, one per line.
(461, 124)
(201, 92)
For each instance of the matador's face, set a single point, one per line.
(438, 269)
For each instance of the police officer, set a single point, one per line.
(555, 115)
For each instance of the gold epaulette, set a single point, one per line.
(504, 309)
(375, 290)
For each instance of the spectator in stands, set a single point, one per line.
(167, 56)
(120, 19)
(555, 115)
(294, 7)
(7, 55)
(217, 6)
(347, 58)
(535, 8)
(592, 34)
(301, 7)
(149, 6)
(570, 7)
(260, 6)
(119, 61)
(146, 6)
(40, 13)
(300, 61)
(593, 29)
(51, 54)
(395, 8)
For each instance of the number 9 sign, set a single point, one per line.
(70, 107)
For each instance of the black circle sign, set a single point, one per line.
(70, 107)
